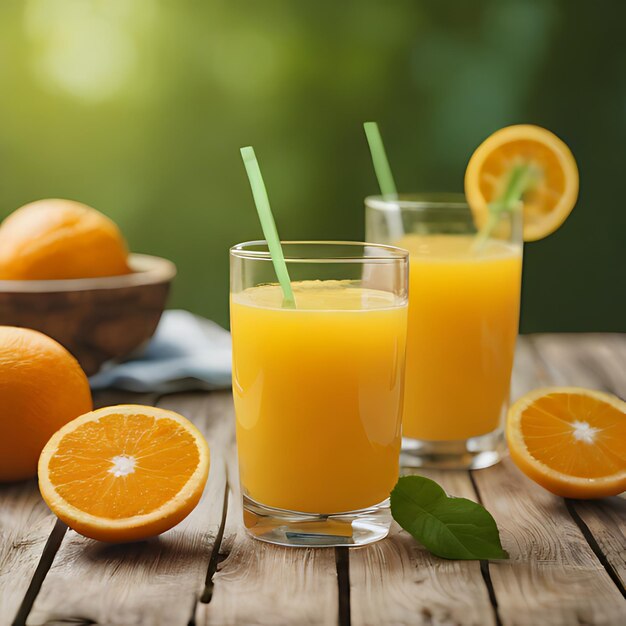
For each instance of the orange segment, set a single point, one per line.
(124, 473)
(553, 195)
(572, 441)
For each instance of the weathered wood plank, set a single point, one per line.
(262, 584)
(599, 362)
(553, 576)
(25, 524)
(398, 582)
(153, 582)
(605, 520)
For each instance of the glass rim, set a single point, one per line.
(393, 253)
(452, 202)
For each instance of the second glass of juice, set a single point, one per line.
(463, 322)
(318, 389)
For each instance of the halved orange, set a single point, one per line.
(570, 440)
(124, 473)
(553, 194)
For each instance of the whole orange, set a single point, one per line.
(56, 239)
(42, 387)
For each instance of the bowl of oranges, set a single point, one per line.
(65, 270)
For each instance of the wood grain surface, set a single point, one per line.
(151, 582)
(258, 583)
(567, 566)
(553, 577)
(596, 362)
(400, 579)
(556, 576)
(25, 524)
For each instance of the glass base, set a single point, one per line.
(474, 453)
(306, 530)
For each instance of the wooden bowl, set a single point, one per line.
(96, 319)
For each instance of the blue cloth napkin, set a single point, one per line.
(186, 352)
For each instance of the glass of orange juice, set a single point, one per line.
(463, 323)
(318, 389)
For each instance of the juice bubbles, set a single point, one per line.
(318, 394)
(463, 321)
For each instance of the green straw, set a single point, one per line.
(267, 224)
(395, 225)
(380, 160)
(521, 178)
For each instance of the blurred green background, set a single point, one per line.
(139, 108)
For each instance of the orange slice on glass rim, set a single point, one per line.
(570, 440)
(124, 473)
(554, 190)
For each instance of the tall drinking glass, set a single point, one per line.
(318, 389)
(463, 322)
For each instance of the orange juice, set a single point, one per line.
(318, 394)
(463, 321)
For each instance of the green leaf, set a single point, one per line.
(452, 528)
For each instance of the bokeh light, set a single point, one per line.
(139, 109)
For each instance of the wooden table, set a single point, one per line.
(567, 566)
